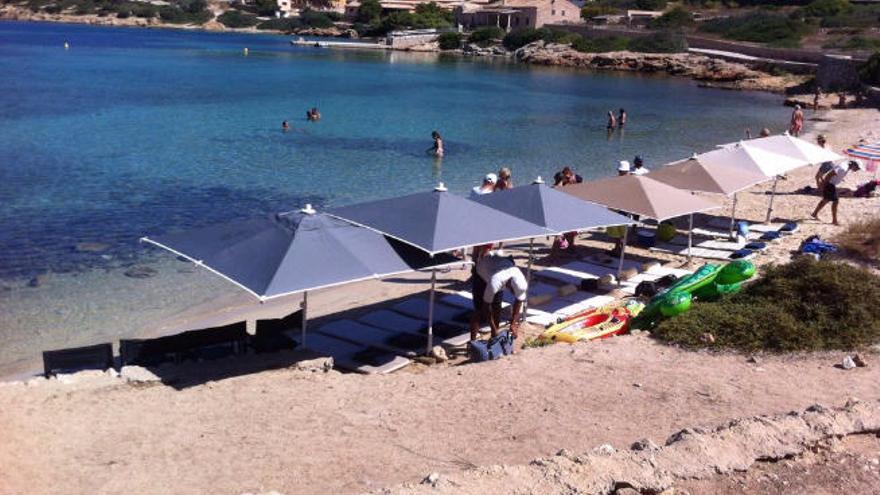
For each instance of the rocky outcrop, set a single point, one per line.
(710, 72)
(689, 454)
(330, 32)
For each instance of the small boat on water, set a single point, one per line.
(594, 323)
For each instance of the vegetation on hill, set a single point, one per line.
(487, 35)
(449, 41)
(237, 19)
(176, 12)
(762, 27)
(307, 19)
(802, 305)
(373, 21)
(663, 42)
(870, 71)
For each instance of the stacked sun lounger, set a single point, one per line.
(719, 247)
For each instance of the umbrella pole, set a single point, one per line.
(305, 309)
(528, 277)
(622, 250)
(690, 236)
(431, 313)
(733, 218)
(772, 195)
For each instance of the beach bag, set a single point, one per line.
(815, 245)
(646, 288)
(504, 340)
(494, 348)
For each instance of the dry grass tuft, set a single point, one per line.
(862, 240)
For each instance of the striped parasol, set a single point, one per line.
(869, 152)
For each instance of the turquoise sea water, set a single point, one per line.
(133, 132)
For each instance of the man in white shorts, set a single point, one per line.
(493, 273)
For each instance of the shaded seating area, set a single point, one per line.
(271, 335)
(91, 357)
(208, 343)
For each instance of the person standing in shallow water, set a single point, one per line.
(437, 149)
(621, 120)
(612, 122)
(797, 121)
(504, 180)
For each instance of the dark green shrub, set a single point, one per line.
(177, 15)
(590, 11)
(486, 35)
(826, 8)
(659, 43)
(854, 43)
(676, 18)
(651, 4)
(53, 9)
(449, 41)
(286, 25)
(315, 19)
(370, 11)
(859, 16)
(870, 70)
(802, 305)
(601, 45)
(143, 10)
(235, 19)
(759, 27)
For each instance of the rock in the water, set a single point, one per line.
(859, 361)
(848, 363)
(140, 271)
(322, 364)
(39, 280)
(91, 247)
(138, 374)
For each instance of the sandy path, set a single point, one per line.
(297, 432)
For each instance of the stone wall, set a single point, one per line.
(837, 72)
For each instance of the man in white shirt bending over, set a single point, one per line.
(829, 182)
(494, 272)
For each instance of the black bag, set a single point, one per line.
(647, 288)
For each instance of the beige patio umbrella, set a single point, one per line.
(788, 145)
(643, 196)
(744, 155)
(693, 174)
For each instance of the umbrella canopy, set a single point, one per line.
(788, 145)
(869, 152)
(694, 174)
(438, 221)
(745, 156)
(641, 195)
(552, 209)
(295, 252)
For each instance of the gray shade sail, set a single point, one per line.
(552, 209)
(438, 221)
(295, 252)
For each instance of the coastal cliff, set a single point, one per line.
(708, 71)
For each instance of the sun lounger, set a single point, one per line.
(353, 357)
(444, 333)
(610, 262)
(271, 335)
(698, 252)
(722, 245)
(403, 343)
(92, 357)
(418, 308)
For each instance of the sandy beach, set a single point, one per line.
(233, 426)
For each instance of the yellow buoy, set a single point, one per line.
(245, 51)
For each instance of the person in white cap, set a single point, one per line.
(623, 168)
(487, 187)
(830, 181)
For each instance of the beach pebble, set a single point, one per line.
(753, 360)
(431, 479)
(138, 374)
(140, 271)
(322, 364)
(707, 338)
(859, 361)
(848, 363)
(91, 247)
(644, 444)
(439, 354)
(604, 449)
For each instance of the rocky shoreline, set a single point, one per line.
(709, 72)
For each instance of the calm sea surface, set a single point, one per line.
(133, 132)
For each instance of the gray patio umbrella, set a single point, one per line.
(295, 252)
(436, 222)
(552, 209)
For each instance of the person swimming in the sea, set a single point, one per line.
(437, 149)
(285, 126)
(313, 114)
